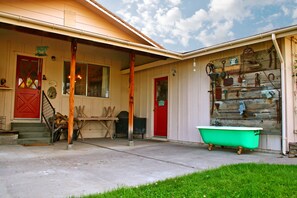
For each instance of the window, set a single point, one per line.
(90, 80)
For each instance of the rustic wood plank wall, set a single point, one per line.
(256, 83)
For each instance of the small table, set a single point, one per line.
(106, 122)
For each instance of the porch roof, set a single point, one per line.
(145, 53)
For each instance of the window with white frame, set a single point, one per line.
(90, 80)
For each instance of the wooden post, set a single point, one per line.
(71, 92)
(131, 99)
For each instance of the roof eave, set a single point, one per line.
(123, 23)
(280, 33)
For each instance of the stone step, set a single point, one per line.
(31, 141)
(34, 134)
(27, 124)
(25, 129)
(7, 137)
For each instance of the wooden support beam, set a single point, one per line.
(71, 91)
(131, 98)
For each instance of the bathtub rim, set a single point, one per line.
(234, 128)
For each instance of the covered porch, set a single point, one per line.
(64, 48)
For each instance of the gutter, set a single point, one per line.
(284, 101)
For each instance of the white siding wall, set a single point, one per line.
(289, 55)
(187, 106)
(188, 97)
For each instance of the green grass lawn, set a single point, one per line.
(239, 180)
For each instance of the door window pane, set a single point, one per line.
(28, 76)
(162, 90)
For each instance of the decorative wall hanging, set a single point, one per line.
(3, 82)
(52, 92)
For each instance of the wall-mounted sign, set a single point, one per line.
(233, 61)
(41, 50)
(161, 103)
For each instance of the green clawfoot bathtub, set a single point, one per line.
(240, 137)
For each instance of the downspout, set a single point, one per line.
(283, 91)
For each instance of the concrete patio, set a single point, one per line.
(98, 165)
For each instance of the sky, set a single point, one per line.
(186, 25)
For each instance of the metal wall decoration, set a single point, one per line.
(253, 79)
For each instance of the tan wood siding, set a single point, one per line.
(50, 11)
(54, 12)
(14, 43)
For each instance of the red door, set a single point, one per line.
(160, 106)
(28, 85)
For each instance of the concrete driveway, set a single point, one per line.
(98, 165)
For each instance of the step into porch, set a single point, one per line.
(32, 133)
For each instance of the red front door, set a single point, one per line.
(28, 85)
(160, 106)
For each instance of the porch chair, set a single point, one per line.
(139, 124)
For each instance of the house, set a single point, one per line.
(172, 90)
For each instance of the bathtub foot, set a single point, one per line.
(239, 150)
(210, 147)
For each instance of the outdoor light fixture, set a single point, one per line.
(194, 64)
(173, 72)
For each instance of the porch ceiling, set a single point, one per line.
(142, 58)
